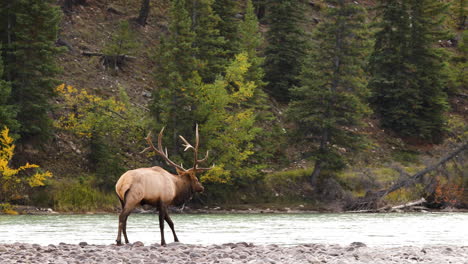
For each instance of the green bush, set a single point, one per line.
(80, 195)
(405, 195)
(289, 185)
(406, 156)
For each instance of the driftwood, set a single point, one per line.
(114, 61)
(396, 208)
(410, 204)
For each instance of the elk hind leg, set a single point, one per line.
(125, 229)
(126, 210)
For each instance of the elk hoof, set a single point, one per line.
(119, 243)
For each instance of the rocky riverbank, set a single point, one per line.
(229, 253)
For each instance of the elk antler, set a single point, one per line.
(187, 146)
(160, 151)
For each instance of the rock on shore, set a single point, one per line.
(229, 253)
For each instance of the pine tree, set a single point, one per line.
(29, 31)
(407, 70)
(122, 44)
(250, 42)
(329, 104)
(7, 111)
(228, 27)
(122, 41)
(208, 40)
(459, 8)
(286, 47)
(173, 100)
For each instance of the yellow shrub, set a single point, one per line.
(13, 181)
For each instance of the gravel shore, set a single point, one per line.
(229, 253)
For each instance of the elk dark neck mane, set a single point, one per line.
(184, 192)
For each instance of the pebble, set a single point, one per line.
(356, 252)
(82, 244)
(138, 244)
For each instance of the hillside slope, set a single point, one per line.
(89, 29)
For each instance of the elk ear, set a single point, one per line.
(180, 172)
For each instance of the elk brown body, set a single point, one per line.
(157, 187)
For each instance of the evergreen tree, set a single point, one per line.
(29, 31)
(7, 111)
(208, 40)
(330, 101)
(286, 46)
(407, 70)
(105, 159)
(459, 8)
(173, 100)
(122, 41)
(228, 27)
(250, 42)
(122, 44)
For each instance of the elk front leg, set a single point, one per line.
(162, 212)
(171, 225)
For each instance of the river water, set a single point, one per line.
(396, 229)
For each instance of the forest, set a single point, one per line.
(327, 105)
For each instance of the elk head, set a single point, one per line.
(188, 174)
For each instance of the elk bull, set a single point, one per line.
(157, 187)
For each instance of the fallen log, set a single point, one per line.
(115, 61)
(98, 54)
(370, 202)
(418, 175)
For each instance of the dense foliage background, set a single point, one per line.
(300, 102)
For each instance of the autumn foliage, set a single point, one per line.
(14, 182)
(448, 194)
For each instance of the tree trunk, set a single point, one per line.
(144, 12)
(319, 163)
(67, 6)
(8, 53)
(325, 132)
(315, 174)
